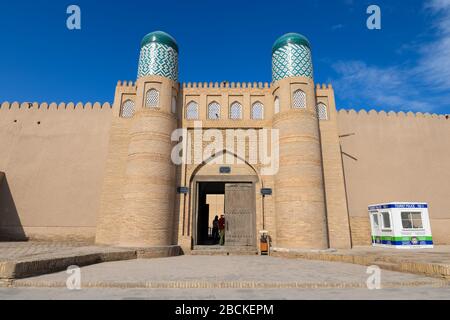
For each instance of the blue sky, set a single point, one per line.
(403, 66)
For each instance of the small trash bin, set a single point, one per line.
(264, 243)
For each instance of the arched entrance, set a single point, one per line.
(230, 190)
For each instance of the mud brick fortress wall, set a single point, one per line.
(53, 157)
(391, 156)
(104, 172)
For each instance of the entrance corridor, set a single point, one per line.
(236, 202)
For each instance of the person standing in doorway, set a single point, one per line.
(215, 230)
(222, 230)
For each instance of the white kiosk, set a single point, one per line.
(401, 225)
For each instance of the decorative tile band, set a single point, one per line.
(292, 60)
(158, 59)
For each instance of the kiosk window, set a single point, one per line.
(386, 220)
(375, 220)
(412, 220)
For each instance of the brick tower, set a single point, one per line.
(149, 191)
(299, 187)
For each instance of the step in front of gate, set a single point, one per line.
(223, 251)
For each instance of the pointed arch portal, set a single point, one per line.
(231, 193)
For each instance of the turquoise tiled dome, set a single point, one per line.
(291, 57)
(159, 56)
(160, 37)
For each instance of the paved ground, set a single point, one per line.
(227, 278)
(439, 254)
(431, 262)
(415, 293)
(13, 251)
(227, 272)
(24, 259)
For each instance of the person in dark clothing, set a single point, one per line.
(215, 230)
(222, 230)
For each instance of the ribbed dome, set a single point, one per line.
(160, 37)
(295, 38)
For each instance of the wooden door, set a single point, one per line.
(239, 214)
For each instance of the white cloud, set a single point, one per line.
(423, 86)
(384, 87)
(434, 64)
(438, 4)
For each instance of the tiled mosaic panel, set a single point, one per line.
(257, 111)
(214, 111)
(292, 60)
(127, 109)
(322, 112)
(236, 111)
(277, 105)
(152, 99)
(158, 59)
(299, 100)
(192, 111)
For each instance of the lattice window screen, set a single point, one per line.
(299, 100)
(236, 111)
(152, 98)
(214, 111)
(127, 109)
(192, 111)
(174, 105)
(257, 111)
(322, 112)
(277, 105)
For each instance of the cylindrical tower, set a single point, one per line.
(159, 56)
(299, 187)
(150, 184)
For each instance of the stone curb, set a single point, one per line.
(46, 264)
(38, 266)
(226, 285)
(388, 263)
(159, 252)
